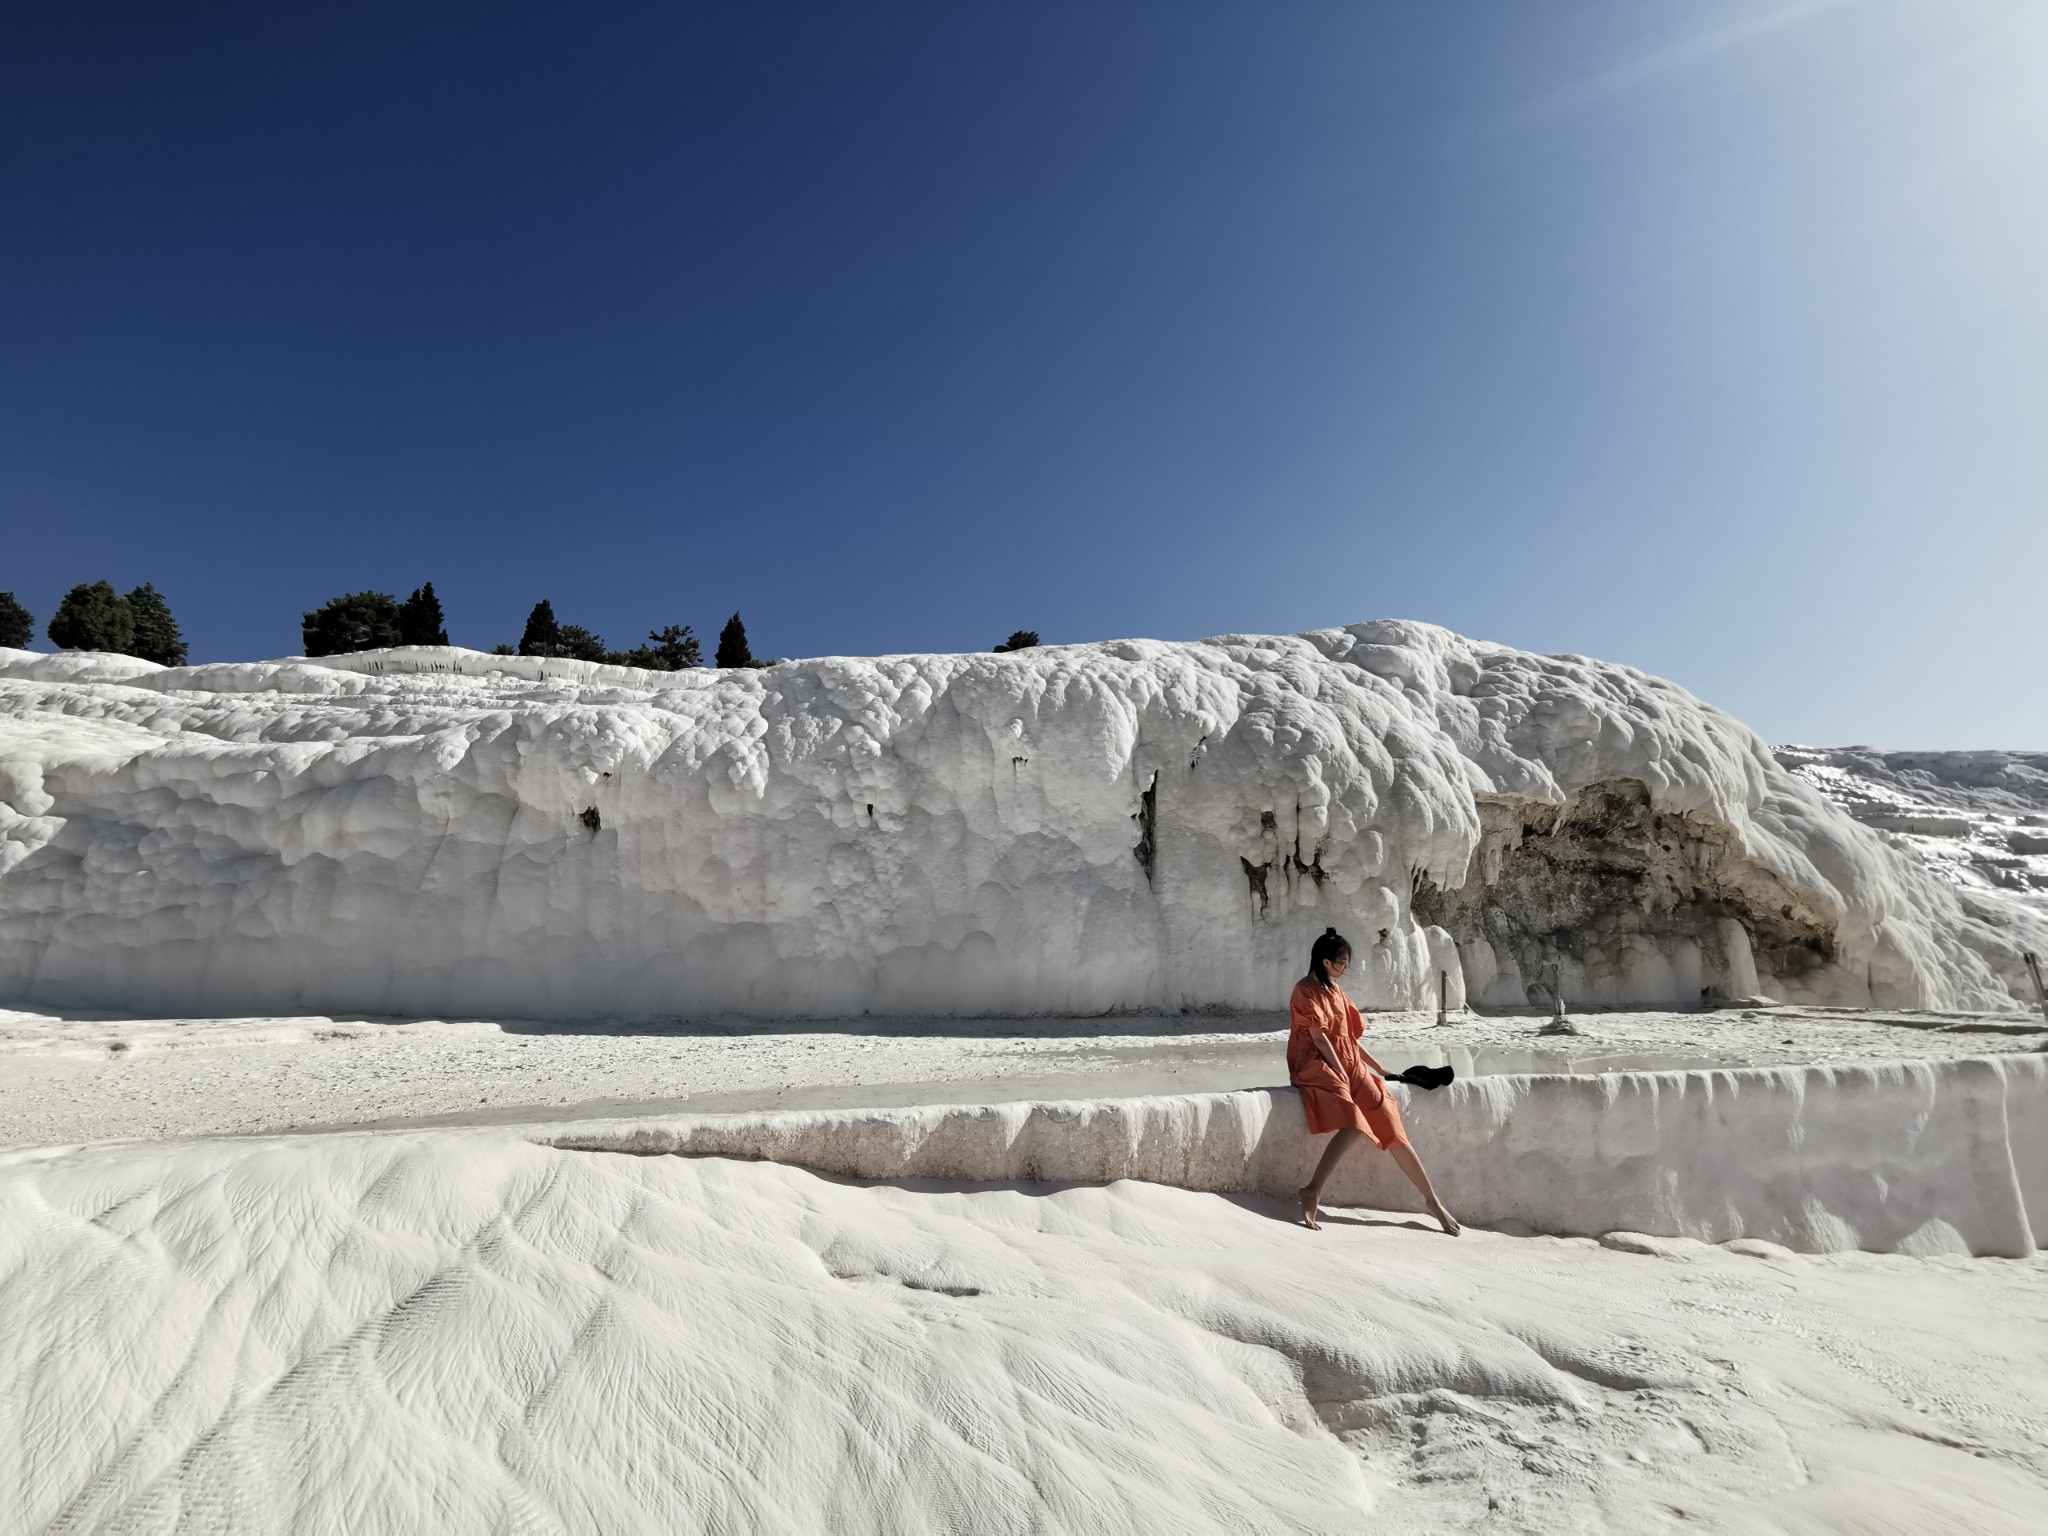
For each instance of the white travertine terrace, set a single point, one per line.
(471, 1332)
(511, 1329)
(1077, 829)
(1942, 1156)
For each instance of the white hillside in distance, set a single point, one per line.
(1075, 829)
(1979, 819)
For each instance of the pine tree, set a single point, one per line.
(674, 648)
(419, 619)
(732, 645)
(93, 617)
(579, 644)
(359, 621)
(543, 635)
(17, 624)
(1020, 640)
(671, 648)
(156, 632)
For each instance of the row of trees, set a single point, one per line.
(364, 621)
(667, 650)
(671, 648)
(94, 617)
(369, 621)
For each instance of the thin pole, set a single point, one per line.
(1443, 997)
(2034, 970)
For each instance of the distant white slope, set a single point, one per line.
(1135, 825)
(1978, 819)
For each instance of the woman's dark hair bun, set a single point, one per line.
(1331, 946)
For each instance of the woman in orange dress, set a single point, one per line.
(1342, 1087)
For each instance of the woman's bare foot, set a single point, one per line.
(1310, 1208)
(1405, 1158)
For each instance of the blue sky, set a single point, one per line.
(1709, 338)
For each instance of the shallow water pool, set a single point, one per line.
(1590, 1059)
(1104, 1069)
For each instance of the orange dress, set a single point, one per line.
(1333, 1101)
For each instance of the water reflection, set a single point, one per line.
(1501, 1061)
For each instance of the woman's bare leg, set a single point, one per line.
(1311, 1194)
(1410, 1164)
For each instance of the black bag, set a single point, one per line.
(1423, 1077)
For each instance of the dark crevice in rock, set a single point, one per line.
(1590, 880)
(1255, 877)
(1313, 869)
(1147, 817)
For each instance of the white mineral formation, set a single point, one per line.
(1977, 819)
(1932, 1157)
(1076, 829)
(468, 1332)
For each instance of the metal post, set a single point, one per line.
(1443, 997)
(1557, 1000)
(2034, 970)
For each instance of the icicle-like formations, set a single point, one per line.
(1136, 825)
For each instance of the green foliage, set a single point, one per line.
(1020, 640)
(156, 632)
(543, 636)
(579, 644)
(419, 619)
(17, 624)
(669, 649)
(732, 645)
(359, 621)
(93, 617)
(675, 646)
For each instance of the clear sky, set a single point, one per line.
(1710, 338)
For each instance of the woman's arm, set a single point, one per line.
(1357, 1030)
(1322, 1043)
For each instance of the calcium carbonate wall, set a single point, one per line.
(1921, 1157)
(1075, 829)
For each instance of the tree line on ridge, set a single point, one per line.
(94, 617)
